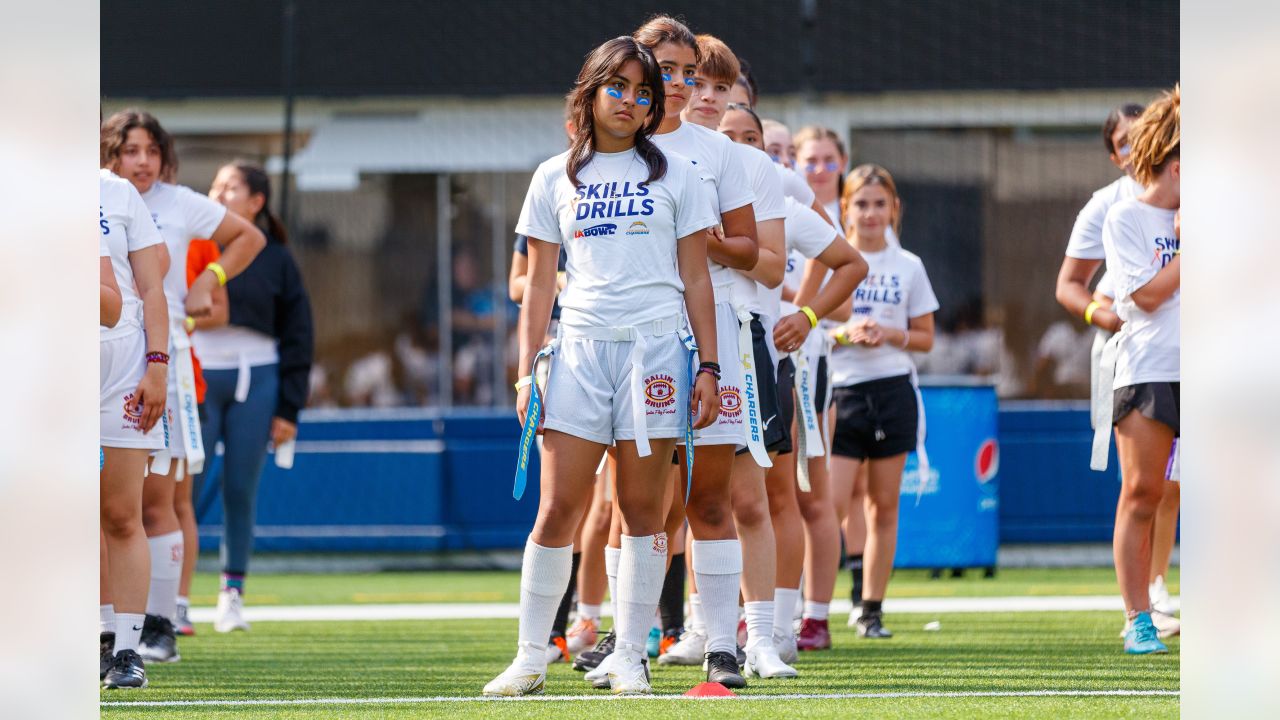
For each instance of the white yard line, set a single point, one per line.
(574, 698)
(484, 611)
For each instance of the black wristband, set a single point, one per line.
(712, 366)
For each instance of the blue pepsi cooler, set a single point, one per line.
(951, 519)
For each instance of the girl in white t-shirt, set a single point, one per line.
(136, 147)
(134, 367)
(110, 303)
(633, 222)
(877, 407)
(809, 236)
(1141, 239)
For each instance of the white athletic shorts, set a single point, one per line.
(729, 428)
(122, 363)
(589, 392)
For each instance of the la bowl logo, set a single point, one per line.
(730, 401)
(600, 230)
(659, 391)
(987, 462)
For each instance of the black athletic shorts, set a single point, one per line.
(876, 419)
(1159, 401)
(820, 389)
(775, 431)
(786, 402)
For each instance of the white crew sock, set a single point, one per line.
(589, 611)
(784, 609)
(759, 622)
(107, 618)
(717, 565)
(641, 567)
(128, 630)
(543, 578)
(611, 557)
(166, 574)
(816, 610)
(697, 623)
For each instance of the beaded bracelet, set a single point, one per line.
(158, 357)
(708, 371)
(712, 366)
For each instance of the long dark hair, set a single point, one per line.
(602, 64)
(115, 130)
(1128, 110)
(260, 184)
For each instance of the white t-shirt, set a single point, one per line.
(719, 163)
(182, 215)
(794, 186)
(770, 204)
(895, 290)
(1086, 235)
(125, 226)
(1139, 240)
(619, 234)
(808, 235)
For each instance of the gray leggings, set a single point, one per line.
(244, 429)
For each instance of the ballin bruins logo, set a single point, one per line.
(660, 543)
(730, 402)
(132, 416)
(659, 391)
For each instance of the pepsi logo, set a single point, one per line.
(987, 462)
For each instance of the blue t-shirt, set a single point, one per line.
(522, 247)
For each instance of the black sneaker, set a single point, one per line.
(127, 671)
(723, 668)
(159, 640)
(106, 653)
(870, 625)
(591, 659)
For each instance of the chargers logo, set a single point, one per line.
(638, 228)
(659, 391)
(600, 230)
(730, 402)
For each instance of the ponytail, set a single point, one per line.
(260, 184)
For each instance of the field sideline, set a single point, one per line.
(1025, 664)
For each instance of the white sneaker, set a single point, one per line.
(230, 613)
(1166, 625)
(1159, 593)
(583, 635)
(599, 677)
(690, 650)
(855, 615)
(763, 662)
(785, 643)
(525, 676)
(629, 671)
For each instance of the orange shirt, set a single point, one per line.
(199, 254)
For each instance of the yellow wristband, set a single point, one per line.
(189, 323)
(813, 319)
(1088, 312)
(842, 337)
(524, 382)
(217, 270)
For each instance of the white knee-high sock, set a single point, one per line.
(543, 578)
(611, 557)
(784, 609)
(106, 618)
(166, 573)
(717, 564)
(759, 622)
(641, 566)
(697, 623)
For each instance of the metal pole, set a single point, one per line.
(444, 285)
(290, 12)
(500, 239)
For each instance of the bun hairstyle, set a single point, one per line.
(602, 64)
(1155, 138)
(862, 176)
(115, 131)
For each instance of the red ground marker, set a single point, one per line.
(709, 689)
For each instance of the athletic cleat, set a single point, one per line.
(871, 625)
(182, 623)
(763, 662)
(557, 650)
(722, 668)
(1142, 637)
(599, 676)
(106, 653)
(230, 612)
(814, 635)
(854, 614)
(669, 638)
(582, 635)
(653, 647)
(1159, 594)
(629, 671)
(591, 659)
(1166, 625)
(785, 643)
(688, 650)
(525, 676)
(127, 671)
(159, 641)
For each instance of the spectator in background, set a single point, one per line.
(256, 370)
(1062, 362)
(474, 317)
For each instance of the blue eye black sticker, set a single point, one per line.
(689, 81)
(666, 77)
(613, 92)
(642, 101)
